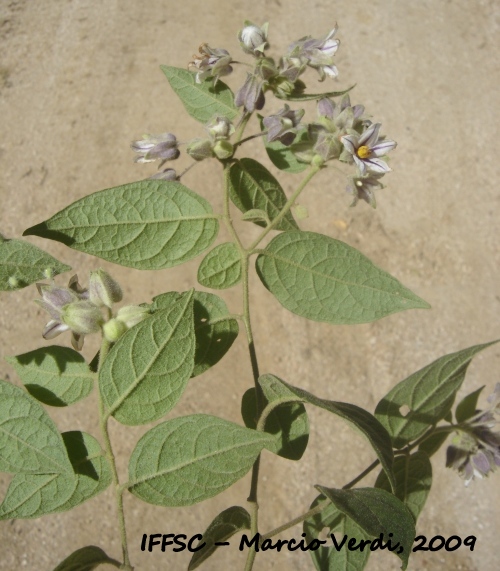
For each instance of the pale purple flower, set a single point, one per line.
(167, 174)
(251, 93)
(154, 147)
(253, 40)
(317, 54)
(211, 62)
(363, 188)
(282, 126)
(365, 150)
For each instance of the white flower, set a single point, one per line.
(317, 53)
(365, 150)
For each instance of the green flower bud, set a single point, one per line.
(82, 317)
(200, 149)
(114, 329)
(103, 289)
(131, 315)
(223, 150)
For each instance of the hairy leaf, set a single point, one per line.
(86, 559)
(34, 495)
(22, 264)
(254, 187)
(324, 279)
(429, 393)
(147, 370)
(222, 528)
(332, 520)
(466, 408)
(57, 376)
(221, 267)
(288, 423)
(29, 440)
(189, 459)
(147, 225)
(377, 512)
(357, 417)
(314, 96)
(413, 481)
(215, 330)
(201, 100)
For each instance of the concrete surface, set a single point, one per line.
(79, 80)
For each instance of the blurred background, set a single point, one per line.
(80, 79)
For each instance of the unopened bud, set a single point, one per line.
(200, 149)
(82, 317)
(114, 329)
(131, 315)
(220, 128)
(103, 289)
(253, 40)
(223, 150)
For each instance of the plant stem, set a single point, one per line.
(103, 422)
(290, 202)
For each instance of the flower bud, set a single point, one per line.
(82, 317)
(253, 40)
(114, 329)
(131, 315)
(167, 174)
(103, 289)
(223, 150)
(200, 149)
(251, 94)
(154, 147)
(219, 128)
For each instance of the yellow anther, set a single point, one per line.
(364, 152)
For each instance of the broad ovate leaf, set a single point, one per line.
(57, 376)
(147, 225)
(466, 408)
(324, 279)
(22, 264)
(202, 100)
(357, 417)
(413, 481)
(252, 187)
(377, 512)
(429, 394)
(29, 440)
(86, 559)
(333, 521)
(34, 495)
(214, 328)
(192, 458)
(147, 370)
(287, 422)
(221, 267)
(222, 528)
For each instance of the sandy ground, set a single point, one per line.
(80, 79)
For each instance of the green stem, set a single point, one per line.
(284, 211)
(103, 422)
(241, 127)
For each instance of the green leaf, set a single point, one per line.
(29, 440)
(22, 264)
(214, 328)
(254, 187)
(254, 215)
(328, 558)
(223, 527)
(34, 495)
(145, 373)
(57, 376)
(86, 559)
(281, 155)
(413, 481)
(147, 225)
(288, 423)
(324, 279)
(192, 458)
(221, 267)
(357, 417)
(433, 443)
(313, 96)
(201, 100)
(429, 393)
(466, 408)
(377, 512)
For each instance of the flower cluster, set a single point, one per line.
(475, 450)
(79, 309)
